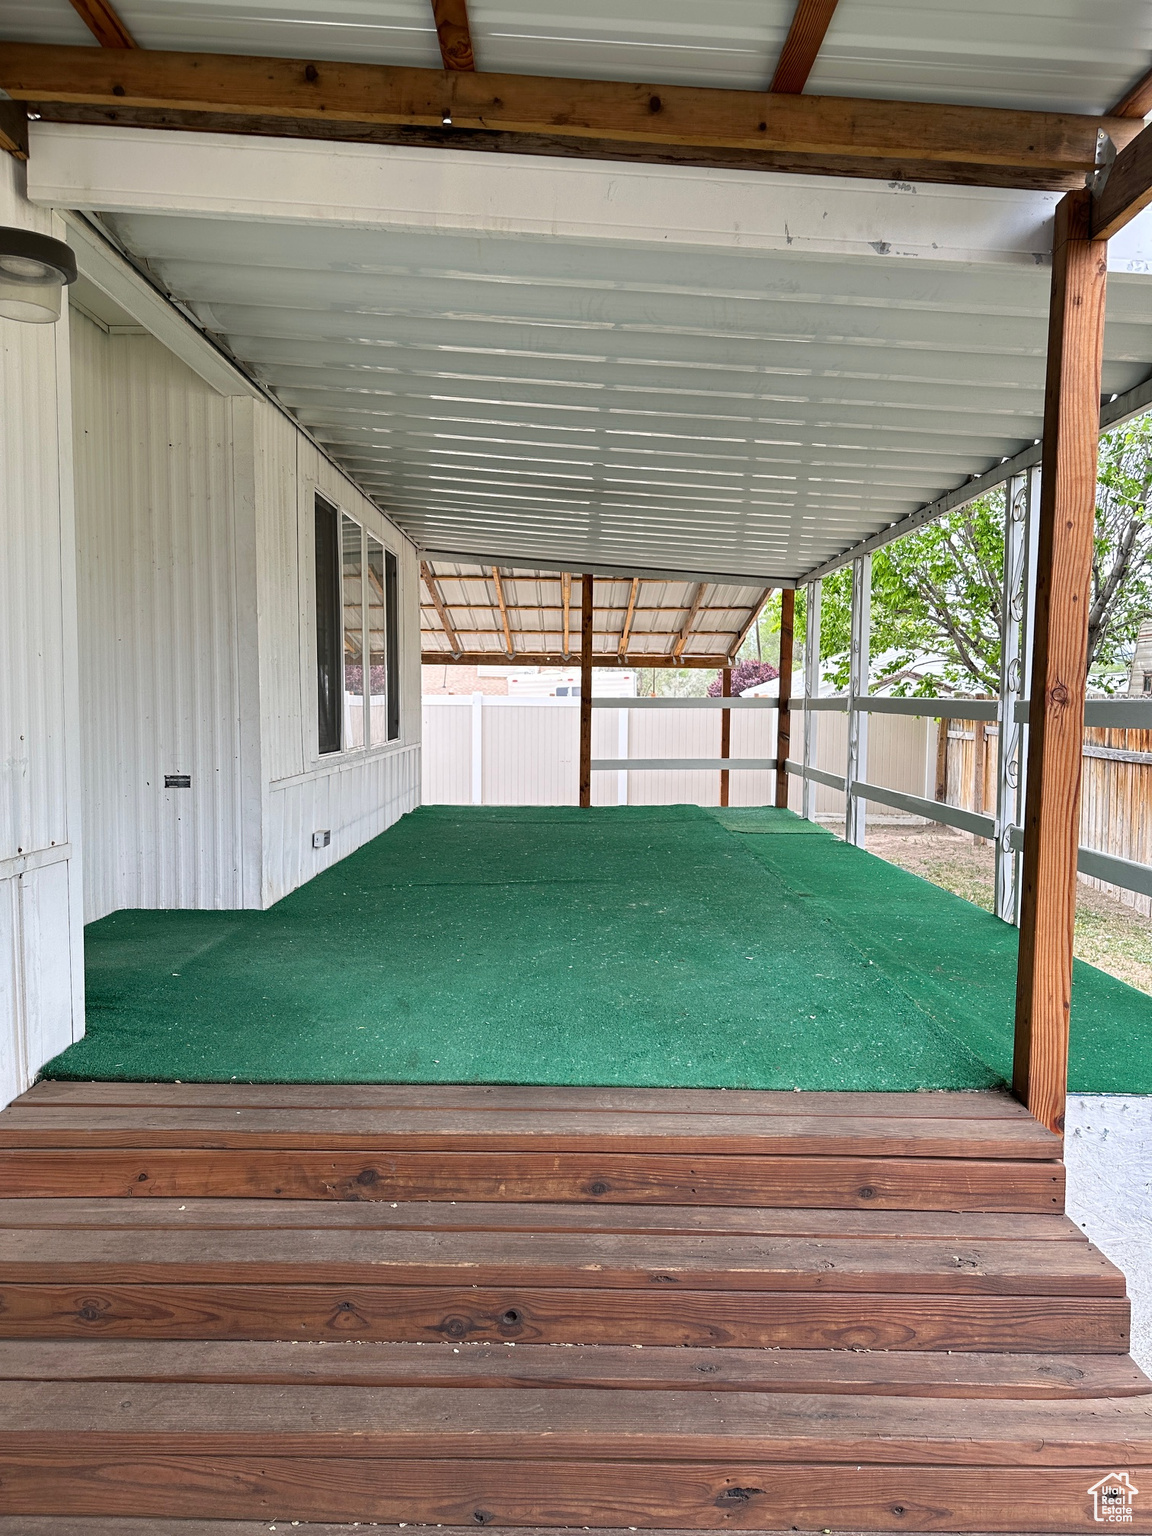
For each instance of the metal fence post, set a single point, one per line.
(855, 809)
(1008, 756)
(811, 690)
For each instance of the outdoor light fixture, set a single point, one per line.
(34, 270)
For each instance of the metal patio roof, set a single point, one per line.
(1061, 55)
(727, 375)
(479, 612)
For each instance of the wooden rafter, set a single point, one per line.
(597, 119)
(103, 23)
(1127, 189)
(1136, 102)
(554, 659)
(747, 630)
(454, 34)
(503, 609)
(686, 628)
(566, 606)
(441, 611)
(622, 647)
(805, 35)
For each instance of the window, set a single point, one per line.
(1148, 682)
(352, 558)
(392, 633)
(327, 626)
(378, 689)
(357, 635)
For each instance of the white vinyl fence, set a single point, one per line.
(485, 750)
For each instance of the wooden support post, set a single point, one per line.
(1059, 661)
(784, 714)
(942, 762)
(725, 731)
(586, 692)
(811, 690)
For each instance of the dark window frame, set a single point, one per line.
(329, 629)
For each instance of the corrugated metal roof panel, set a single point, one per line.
(1061, 55)
(533, 605)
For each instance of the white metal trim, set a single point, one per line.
(689, 764)
(817, 775)
(674, 703)
(931, 810)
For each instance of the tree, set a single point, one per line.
(745, 674)
(937, 593)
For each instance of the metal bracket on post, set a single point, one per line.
(811, 691)
(855, 810)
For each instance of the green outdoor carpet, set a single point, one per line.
(661, 946)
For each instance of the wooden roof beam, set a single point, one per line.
(554, 659)
(622, 647)
(686, 628)
(1136, 102)
(747, 630)
(503, 610)
(453, 33)
(438, 603)
(102, 21)
(805, 35)
(595, 119)
(1126, 189)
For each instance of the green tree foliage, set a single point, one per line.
(937, 598)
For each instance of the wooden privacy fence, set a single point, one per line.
(1115, 797)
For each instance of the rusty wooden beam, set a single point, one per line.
(1067, 524)
(686, 628)
(586, 691)
(503, 609)
(622, 647)
(597, 119)
(441, 611)
(453, 33)
(805, 35)
(784, 714)
(102, 21)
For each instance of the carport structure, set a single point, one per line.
(644, 301)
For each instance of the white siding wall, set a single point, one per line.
(352, 795)
(197, 611)
(162, 626)
(41, 947)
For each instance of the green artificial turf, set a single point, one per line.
(663, 946)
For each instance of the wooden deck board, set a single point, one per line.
(102, 1213)
(616, 1178)
(649, 1495)
(608, 1367)
(549, 1308)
